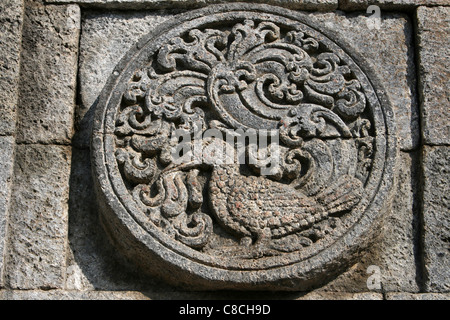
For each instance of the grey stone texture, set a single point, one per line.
(92, 262)
(6, 176)
(389, 4)
(163, 4)
(433, 42)
(417, 296)
(52, 243)
(70, 295)
(145, 295)
(11, 14)
(389, 51)
(108, 36)
(48, 73)
(436, 218)
(396, 251)
(38, 218)
(237, 252)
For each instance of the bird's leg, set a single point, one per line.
(262, 245)
(263, 237)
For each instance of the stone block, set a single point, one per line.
(398, 251)
(109, 36)
(342, 296)
(433, 43)
(389, 4)
(38, 218)
(436, 218)
(92, 262)
(322, 5)
(6, 171)
(388, 50)
(48, 73)
(11, 15)
(417, 296)
(70, 295)
(395, 253)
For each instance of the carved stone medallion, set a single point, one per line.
(233, 71)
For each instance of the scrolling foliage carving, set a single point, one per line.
(247, 71)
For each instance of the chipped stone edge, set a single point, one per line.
(209, 281)
(417, 296)
(6, 294)
(324, 5)
(347, 5)
(5, 227)
(9, 137)
(429, 134)
(155, 295)
(4, 216)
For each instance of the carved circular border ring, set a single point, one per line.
(141, 241)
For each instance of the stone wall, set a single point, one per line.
(55, 58)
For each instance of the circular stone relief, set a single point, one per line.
(243, 147)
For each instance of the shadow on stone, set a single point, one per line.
(93, 263)
(81, 138)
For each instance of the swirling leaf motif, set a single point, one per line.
(329, 87)
(267, 71)
(285, 79)
(309, 121)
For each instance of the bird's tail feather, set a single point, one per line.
(342, 195)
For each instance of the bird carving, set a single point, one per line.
(255, 207)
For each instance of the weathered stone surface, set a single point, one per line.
(71, 295)
(398, 255)
(92, 262)
(395, 251)
(6, 171)
(436, 218)
(176, 295)
(433, 41)
(163, 4)
(417, 296)
(108, 36)
(389, 4)
(82, 233)
(389, 51)
(48, 73)
(342, 296)
(230, 225)
(37, 226)
(11, 14)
